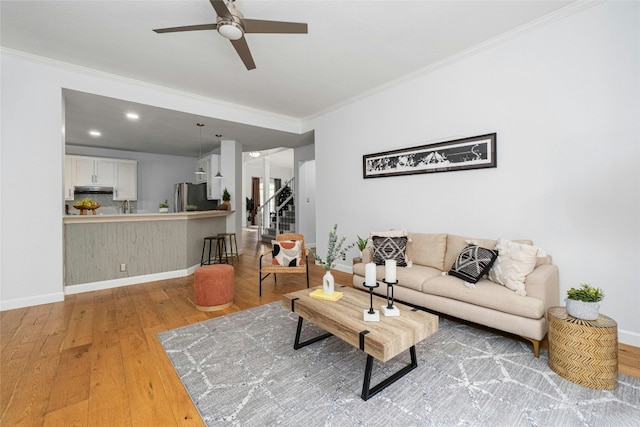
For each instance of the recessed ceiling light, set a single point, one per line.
(133, 116)
(94, 133)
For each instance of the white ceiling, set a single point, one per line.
(353, 48)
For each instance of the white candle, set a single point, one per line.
(390, 270)
(370, 274)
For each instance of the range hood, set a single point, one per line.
(92, 189)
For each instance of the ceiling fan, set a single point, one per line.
(232, 25)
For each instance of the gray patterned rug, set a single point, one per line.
(242, 370)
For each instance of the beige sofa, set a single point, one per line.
(425, 285)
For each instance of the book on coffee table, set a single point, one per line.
(319, 294)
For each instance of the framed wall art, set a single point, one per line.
(461, 154)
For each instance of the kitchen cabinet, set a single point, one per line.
(93, 171)
(68, 178)
(125, 186)
(214, 184)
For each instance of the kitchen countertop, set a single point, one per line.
(76, 219)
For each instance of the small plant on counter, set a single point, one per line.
(226, 197)
(191, 208)
(164, 204)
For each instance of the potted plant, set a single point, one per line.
(362, 243)
(582, 302)
(335, 251)
(226, 201)
(163, 207)
(191, 208)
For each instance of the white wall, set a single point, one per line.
(564, 101)
(157, 174)
(305, 172)
(31, 115)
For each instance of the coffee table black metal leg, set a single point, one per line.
(368, 392)
(297, 344)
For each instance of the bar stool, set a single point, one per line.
(220, 249)
(233, 245)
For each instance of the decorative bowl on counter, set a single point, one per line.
(83, 209)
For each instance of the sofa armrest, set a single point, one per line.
(542, 284)
(367, 255)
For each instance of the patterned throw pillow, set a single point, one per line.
(287, 253)
(473, 263)
(385, 248)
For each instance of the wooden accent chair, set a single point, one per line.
(268, 267)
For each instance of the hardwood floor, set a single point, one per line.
(94, 359)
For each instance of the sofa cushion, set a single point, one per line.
(427, 249)
(389, 248)
(486, 294)
(473, 263)
(411, 278)
(515, 261)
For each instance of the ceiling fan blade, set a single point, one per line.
(220, 8)
(186, 28)
(262, 26)
(242, 48)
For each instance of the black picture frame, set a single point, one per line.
(476, 152)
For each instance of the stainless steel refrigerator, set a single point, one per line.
(187, 193)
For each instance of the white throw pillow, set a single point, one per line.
(515, 261)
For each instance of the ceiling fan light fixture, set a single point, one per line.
(230, 30)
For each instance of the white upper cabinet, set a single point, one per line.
(93, 171)
(126, 183)
(122, 175)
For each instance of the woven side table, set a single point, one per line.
(583, 351)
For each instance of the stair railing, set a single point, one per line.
(264, 215)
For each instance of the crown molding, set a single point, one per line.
(293, 122)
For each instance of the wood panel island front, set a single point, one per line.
(146, 246)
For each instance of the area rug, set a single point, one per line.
(242, 370)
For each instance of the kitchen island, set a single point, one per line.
(146, 246)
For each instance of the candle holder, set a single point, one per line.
(371, 315)
(390, 310)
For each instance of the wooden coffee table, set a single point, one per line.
(382, 340)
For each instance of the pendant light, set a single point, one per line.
(219, 175)
(200, 170)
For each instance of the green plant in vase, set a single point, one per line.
(335, 251)
(163, 207)
(362, 243)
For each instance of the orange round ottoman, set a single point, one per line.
(213, 287)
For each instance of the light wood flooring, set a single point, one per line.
(94, 360)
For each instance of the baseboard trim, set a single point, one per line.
(128, 281)
(628, 338)
(31, 301)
